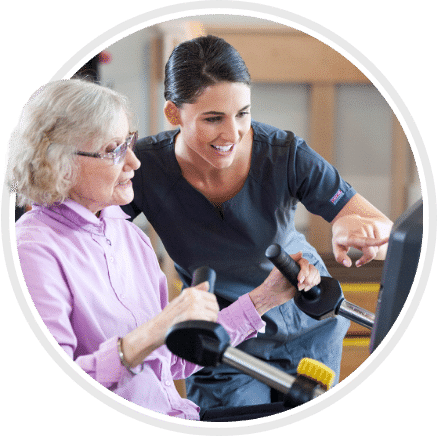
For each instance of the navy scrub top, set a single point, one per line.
(284, 170)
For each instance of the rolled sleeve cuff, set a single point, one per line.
(109, 369)
(241, 319)
(250, 312)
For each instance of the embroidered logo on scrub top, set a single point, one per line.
(337, 196)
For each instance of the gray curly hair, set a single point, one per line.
(58, 118)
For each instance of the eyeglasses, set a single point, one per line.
(118, 154)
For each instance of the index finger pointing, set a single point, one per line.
(362, 241)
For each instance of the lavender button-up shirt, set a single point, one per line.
(93, 280)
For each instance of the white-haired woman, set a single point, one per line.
(93, 275)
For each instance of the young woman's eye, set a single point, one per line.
(213, 119)
(243, 114)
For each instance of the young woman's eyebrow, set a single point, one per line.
(222, 113)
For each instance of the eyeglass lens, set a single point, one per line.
(121, 150)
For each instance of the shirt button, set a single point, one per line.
(167, 383)
(111, 259)
(108, 241)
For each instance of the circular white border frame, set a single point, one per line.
(428, 190)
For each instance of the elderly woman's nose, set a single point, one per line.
(131, 160)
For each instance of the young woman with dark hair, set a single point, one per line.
(221, 187)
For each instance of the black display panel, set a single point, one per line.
(399, 270)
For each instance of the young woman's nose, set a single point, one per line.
(230, 132)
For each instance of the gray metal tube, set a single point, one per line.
(356, 314)
(265, 373)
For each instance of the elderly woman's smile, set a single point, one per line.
(99, 182)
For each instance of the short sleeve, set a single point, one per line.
(316, 183)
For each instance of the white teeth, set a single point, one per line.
(219, 148)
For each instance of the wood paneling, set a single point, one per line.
(278, 57)
(322, 124)
(369, 273)
(355, 352)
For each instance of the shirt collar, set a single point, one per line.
(75, 215)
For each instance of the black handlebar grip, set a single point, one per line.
(204, 274)
(289, 269)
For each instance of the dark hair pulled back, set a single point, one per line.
(201, 62)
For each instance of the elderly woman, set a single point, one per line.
(92, 274)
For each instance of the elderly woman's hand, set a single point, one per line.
(277, 290)
(194, 303)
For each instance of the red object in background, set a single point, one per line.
(105, 57)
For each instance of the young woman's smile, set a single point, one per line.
(215, 126)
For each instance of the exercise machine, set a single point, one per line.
(323, 301)
(326, 299)
(207, 343)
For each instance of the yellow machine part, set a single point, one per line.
(316, 371)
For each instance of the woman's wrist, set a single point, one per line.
(123, 360)
(262, 300)
(142, 341)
